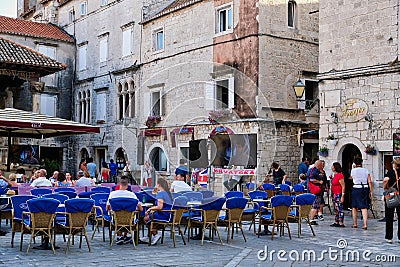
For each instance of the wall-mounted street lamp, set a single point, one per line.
(299, 88)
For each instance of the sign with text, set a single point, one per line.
(353, 110)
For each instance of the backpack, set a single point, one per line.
(312, 188)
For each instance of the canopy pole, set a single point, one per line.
(9, 150)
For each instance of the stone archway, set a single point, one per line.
(348, 154)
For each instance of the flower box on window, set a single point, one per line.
(370, 150)
(152, 121)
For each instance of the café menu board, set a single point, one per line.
(396, 144)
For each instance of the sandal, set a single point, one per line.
(364, 227)
(354, 226)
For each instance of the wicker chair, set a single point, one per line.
(269, 189)
(302, 211)
(176, 211)
(100, 213)
(123, 218)
(42, 212)
(250, 213)
(77, 212)
(234, 211)
(285, 189)
(19, 205)
(280, 206)
(298, 189)
(231, 194)
(210, 210)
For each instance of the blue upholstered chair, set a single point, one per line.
(209, 213)
(124, 218)
(302, 210)
(231, 194)
(77, 211)
(19, 205)
(280, 206)
(233, 216)
(39, 220)
(101, 214)
(172, 221)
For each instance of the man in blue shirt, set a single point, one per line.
(302, 168)
(182, 169)
(113, 170)
(92, 168)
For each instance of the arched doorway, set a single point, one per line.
(84, 153)
(349, 153)
(158, 159)
(120, 158)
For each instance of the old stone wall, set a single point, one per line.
(285, 52)
(357, 33)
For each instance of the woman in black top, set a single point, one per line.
(278, 174)
(390, 180)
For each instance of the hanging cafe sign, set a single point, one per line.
(353, 110)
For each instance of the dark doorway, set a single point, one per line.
(350, 152)
(310, 151)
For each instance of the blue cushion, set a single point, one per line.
(268, 186)
(281, 201)
(294, 213)
(305, 199)
(79, 205)
(196, 218)
(249, 211)
(123, 203)
(257, 195)
(267, 216)
(236, 203)
(47, 205)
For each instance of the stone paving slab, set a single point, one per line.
(236, 253)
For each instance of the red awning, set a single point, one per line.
(27, 124)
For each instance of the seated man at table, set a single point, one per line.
(179, 184)
(42, 180)
(84, 181)
(123, 192)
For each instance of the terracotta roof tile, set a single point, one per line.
(13, 53)
(174, 6)
(33, 29)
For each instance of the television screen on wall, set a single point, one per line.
(21, 154)
(234, 149)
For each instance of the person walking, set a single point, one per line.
(303, 167)
(337, 192)
(113, 171)
(392, 180)
(362, 191)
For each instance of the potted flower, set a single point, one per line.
(323, 151)
(152, 120)
(332, 140)
(370, 150)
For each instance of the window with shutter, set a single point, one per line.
(127, 42)
(101, 107)
(209, 95)
(48, 105)
(82, 57)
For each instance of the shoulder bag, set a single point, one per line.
(313, 188)
(392, 197)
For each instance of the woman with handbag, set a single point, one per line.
(390, 182)
(362, 191)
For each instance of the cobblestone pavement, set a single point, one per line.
(236, 253)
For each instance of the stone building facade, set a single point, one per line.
(359, 82)
(261, 59)
(188, 58)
